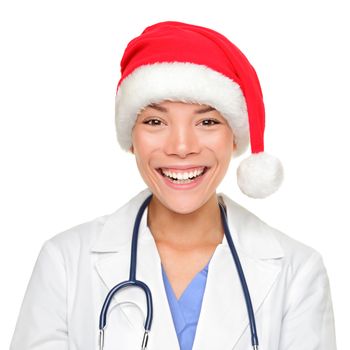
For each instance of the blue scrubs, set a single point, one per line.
(186, 310)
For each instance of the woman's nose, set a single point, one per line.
(182, 140)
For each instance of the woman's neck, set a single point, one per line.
(202, 226)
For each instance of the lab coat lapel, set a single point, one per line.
(114, 269)
(223, 318)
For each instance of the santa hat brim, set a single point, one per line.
(180, 81)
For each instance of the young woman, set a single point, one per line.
(180, 266)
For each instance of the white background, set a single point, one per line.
(60, 161)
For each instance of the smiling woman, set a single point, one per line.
(216, 275)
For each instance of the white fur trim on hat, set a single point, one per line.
(185, 82)
(259, 175)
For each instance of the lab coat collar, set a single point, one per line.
(250, 234)
(223, 317)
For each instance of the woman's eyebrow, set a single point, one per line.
(205, 109)
(163, 109)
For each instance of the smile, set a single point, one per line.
(177, 177)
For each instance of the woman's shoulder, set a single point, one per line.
(263, 240)
(77, 238)
(110, 230)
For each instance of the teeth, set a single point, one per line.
(183, 176)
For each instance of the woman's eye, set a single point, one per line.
(152, 122)
(209, 122)
(157, 122)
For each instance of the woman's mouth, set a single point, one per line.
(183, 179)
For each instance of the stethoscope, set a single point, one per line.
(134, 282)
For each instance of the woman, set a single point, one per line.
(187, 102)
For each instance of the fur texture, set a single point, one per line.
(259, 175)
(180, 81)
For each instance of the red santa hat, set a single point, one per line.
(183, 62)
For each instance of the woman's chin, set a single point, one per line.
(181, 204)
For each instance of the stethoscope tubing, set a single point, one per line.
(254, 336)
(133, 282)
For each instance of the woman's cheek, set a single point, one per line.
(219, 141)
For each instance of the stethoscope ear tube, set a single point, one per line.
(144, 340)
(102, 339)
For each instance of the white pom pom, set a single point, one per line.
(259, 175)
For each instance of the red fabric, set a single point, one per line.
(172, 41)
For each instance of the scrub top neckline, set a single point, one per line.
(186, 310)
(204, 271)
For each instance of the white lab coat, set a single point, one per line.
(75, 270)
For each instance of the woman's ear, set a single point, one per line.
(131, 149)
(234, 148)
(234, 144)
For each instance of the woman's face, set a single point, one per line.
(181, 140)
